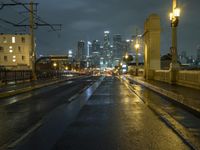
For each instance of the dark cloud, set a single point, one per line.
(87, 19)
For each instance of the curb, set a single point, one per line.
(175, 98)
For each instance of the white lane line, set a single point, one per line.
(25, 135)
(73, 97)
(35, 127)
(27, 95)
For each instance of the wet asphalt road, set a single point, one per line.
(116, 119)
(19, 113)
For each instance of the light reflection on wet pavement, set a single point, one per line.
(182, 116)
(115, 119)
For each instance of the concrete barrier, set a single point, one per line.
(186, 78)
(189, 78)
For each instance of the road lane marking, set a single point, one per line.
(24, 136)
(52, 119)
(18, 98)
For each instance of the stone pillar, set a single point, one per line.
(152, 45)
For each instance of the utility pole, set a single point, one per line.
(33, 54)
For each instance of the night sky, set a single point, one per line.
(87, 19)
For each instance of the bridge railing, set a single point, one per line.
(162, 75)
(7, 76)
(190, 78)
(14, 75)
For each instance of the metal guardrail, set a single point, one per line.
(23, 75)
(14, 75)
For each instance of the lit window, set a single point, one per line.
(14, 56)
(10, 50)
(10, 47)
(13, 39)
(14, 60)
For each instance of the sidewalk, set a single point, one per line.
(188, 97)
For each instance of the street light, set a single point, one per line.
(174, 18)
(55, 64)
(126, 56)
(137, 46)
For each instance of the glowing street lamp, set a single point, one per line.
(55, 64)
(137, 46)
(126, 56)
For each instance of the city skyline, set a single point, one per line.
(86, 20)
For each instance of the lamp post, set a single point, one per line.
(137, 46)
(174, 18)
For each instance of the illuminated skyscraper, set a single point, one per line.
(95, 46)
(108, 53)
(117, 46)
(80, 50)
(96, 54)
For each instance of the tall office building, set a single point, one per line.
(95, 46)
(117, 46)
(106, 43)
(80, 51)
(108, 53)
(96, 53)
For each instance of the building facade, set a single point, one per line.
(52, 63)
(96, 48)
(117, 46)
(108, 52)
(80, 51)
(15, 51)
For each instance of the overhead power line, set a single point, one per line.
(38, 20)
(35, 21)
